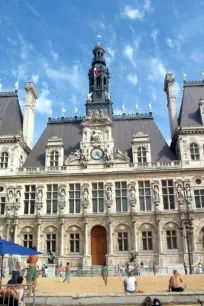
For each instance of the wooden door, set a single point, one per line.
(98, 245)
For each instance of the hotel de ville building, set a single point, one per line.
(95, 188)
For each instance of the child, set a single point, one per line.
(67, 273)
(104, 273)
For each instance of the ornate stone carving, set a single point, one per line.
(96, 135)
(121, 155)
(180, 193)
(96, 117)
(109, 196)
(89, 98)
(40, 196)
(85, 195)
(187, 192)
(11, 197)
(73, 156)
(107, 95)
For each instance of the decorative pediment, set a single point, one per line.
(97, 117)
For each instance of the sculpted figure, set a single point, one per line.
(40, 195)
(180, 193)
(85, 195)
(18, 196)
(10, 197)
(96, 135)
(108, 155)
(132, 193)
(188, 191)
(89, 98)
(62, 196)
(156, 192)
(109, 196)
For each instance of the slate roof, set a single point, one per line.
(11, 118)
(123, 130)
(190, 114)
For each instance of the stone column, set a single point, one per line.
(110, 237)
(8, 223)
(38, 234)
(134, 240)
(85, 237)
(15, 232)
(62, 237)
(159, 239)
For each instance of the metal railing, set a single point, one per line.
(7, 297)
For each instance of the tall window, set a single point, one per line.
(74, 243)
(121, 196)
(51, 242)
(194, 151)
(29, 202)
(98, 197)
(2, 205)
(74, 198)
(141, 155)
(28, 240)
(147, 240)
(52, 195)
(168, 194)
(122, 241)
(4, 160)
(171, 239)
(54, 158)
(199, 198)
(144, 195)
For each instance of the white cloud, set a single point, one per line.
(137, 43)
(110, 55)
(43, 104)
(25, 48)
(73, 75)
(158, 71)
(132, 78)
(133, 14)
(102, 25)
(173, 43)
(154, 36)
(147, 5)
(35, 78)
(128, 50)
(170, 43)
(54, 55)
(197, 56)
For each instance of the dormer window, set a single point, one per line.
(54, 158)
(142, 155)
(194, 151)
(4, 160)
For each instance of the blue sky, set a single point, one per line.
(50, 42)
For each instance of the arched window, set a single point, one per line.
(98, 81)
(54, 158)
(194, 151)
(141, 155)
(4, 160)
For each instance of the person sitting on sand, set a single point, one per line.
(175, 282)
(14, 294)
(130, 283)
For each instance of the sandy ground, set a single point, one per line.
(95, 285)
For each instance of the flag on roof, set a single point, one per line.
(95, 72)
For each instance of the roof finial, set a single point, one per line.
(0, 85)
(184, 75)
(137, 106)
(98, 39)
(63, 110)
(123, 107)
(202, 74)
(150, 105)
(17, 84)
(50, 113)
(76, 110)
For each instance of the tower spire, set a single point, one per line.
(99, 93)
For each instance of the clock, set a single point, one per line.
(97, 153)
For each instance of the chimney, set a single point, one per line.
(171, 101)
(29, 113)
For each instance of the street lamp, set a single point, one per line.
(187, 232)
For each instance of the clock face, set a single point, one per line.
(97, 153)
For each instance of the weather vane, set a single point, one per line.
(98, 39)
(63, 110)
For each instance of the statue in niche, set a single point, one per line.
(40, 196)
(89, 96)
(188, 191)
(85, 155)
(62, 196)
(96, 135)
(18, 196)
(132, 193)
(180, 193)
(10, 197)
(156, 193)
(109, 196)
(85, 195)
(51, 258)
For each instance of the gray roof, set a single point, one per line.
(190, 113)
(123, 130)
(11, 119)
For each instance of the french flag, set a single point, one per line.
(95, 72)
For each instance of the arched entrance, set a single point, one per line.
(98, 245)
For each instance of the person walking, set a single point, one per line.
(15, 267)
(185, 268)
(104, 273)
(67, 273)
(31, 276)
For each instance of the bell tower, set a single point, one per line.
(99, 77)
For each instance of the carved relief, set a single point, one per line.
(85, 195)
(187, 192)
(121, 155)
(109, 196)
